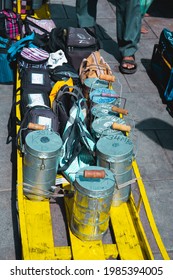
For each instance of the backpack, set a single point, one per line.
(56, 87)
(63, 102)
(33, 72)
(78, 144)
(94, 66)
(39, 114)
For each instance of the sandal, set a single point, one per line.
(126, 70)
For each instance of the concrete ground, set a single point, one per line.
(154, 124)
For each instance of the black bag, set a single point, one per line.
(33, 72)
(64, 101)
(31, 98)
(162, 64)
(64, 72)
(42, 115)
(35, 79)
(56, 40)
(79, 44)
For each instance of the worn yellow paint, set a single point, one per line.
(21, 209)
(140, 229)
(111, 251)
(63, 253)
(39, 230)
(149, 213)
(127, 240)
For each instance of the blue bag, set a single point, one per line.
(162, 64)
(6, 73)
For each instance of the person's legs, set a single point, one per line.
(86, 11)
(128, 17)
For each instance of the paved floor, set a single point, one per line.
(154, 125)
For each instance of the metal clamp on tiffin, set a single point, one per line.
(94, 188)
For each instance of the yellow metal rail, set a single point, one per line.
(144, 199)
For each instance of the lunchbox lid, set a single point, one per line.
(114, 147)
(95, 187)
(102, 109)
(43, 141)
(103, 125)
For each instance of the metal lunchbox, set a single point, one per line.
(92, 202)
(92, 84)
(42, 153)
(103, 95)
(116, 153)
(103, 126)
(102, 110)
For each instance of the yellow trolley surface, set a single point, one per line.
(132, 224)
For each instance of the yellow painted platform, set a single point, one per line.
(36, 226)
(37, 232)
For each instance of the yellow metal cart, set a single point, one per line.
(127, 222)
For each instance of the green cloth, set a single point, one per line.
(128, 17)
(145, 4)
(86, 11)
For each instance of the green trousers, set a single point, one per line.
(128, 22)
(86, 11)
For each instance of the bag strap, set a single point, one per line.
(75, 129)
(17, 46)
(71, 134)
(13, 120)
(76, 93)
(6, 42)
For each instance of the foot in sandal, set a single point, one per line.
(128, 65)
(144, 30)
